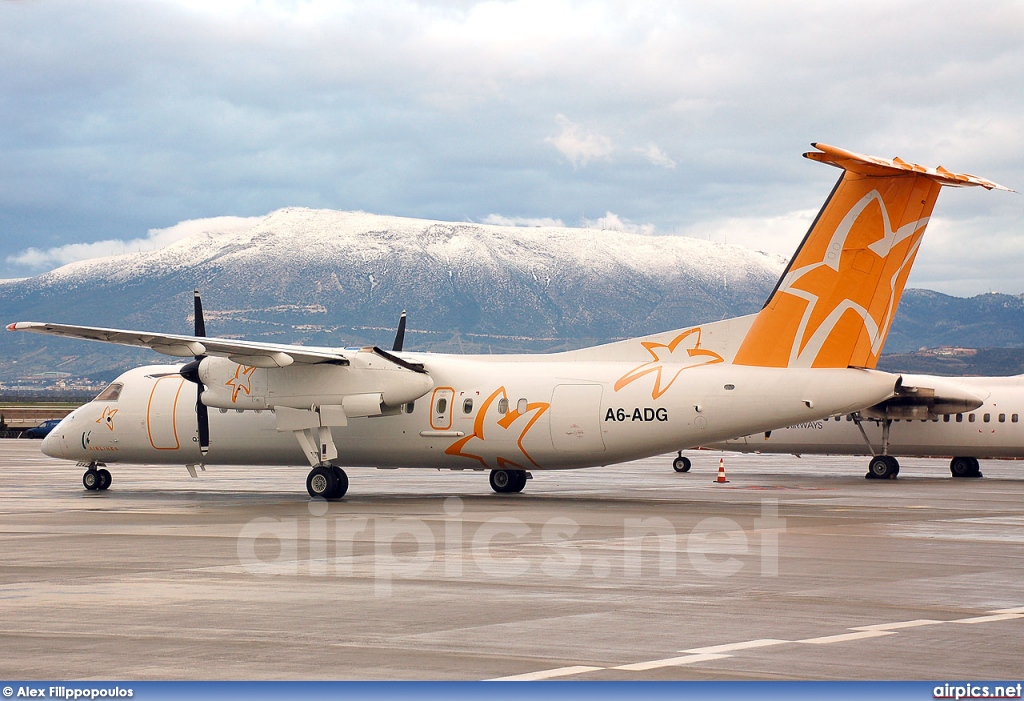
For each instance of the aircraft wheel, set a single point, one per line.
(964, 467)
(681, 464)
(320, 482)
(104, 479)
(91, 480)
(340, 483)
(883, 467)
(508, 481)
(520, 480)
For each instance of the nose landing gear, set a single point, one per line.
(96, 479)
(327, 481)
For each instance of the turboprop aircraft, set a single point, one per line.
(963, 418)
(808, 354)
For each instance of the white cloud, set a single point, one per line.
(613, 222)
(44, 259)
(654, 154)
(501, 220)
(779, 234)
(578, 144)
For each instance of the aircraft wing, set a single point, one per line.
(251, 353)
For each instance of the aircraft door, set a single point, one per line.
(441, 408)
(161, 412)
(576, 418)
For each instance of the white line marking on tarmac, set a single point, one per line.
(899, 626)
(732, 647)
(990, 619)
(718, 652)
(669, 662)
(547, 674)
(845, 637)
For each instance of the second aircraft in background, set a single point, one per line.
(961, 418)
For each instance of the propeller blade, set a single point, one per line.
(400, 334)
(203, 419)
(190, 371)
(200, 322)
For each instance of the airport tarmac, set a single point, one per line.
(795, 569)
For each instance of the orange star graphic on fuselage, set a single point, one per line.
(241, 382)
(504, 423)
(107, 418)
(656, 366)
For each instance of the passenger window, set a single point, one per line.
(111, 393)
(970, 418)
(467, 406)
(1013, 418)
(503, 405)
(959, 418)
(945, 418)
(442, 405)
(410, 407)
(986, 418)
(1002, 418)
(521, 406)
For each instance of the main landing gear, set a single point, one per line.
(96, 480)
(327, 481)
(965, 467)
(883, 467)
(681, 464)
(508, 481)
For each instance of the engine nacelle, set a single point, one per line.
(304, 386)
(920, 397)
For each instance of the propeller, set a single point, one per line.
(400, 334)
(190, 371)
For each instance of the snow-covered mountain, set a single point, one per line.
(342, 278)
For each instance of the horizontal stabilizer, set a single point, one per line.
(874, 166)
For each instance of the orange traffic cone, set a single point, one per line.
(721, 472)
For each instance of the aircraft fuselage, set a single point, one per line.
(483, 412)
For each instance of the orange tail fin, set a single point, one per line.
(835, 302)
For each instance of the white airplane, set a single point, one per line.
(808, 354)
(963, 418)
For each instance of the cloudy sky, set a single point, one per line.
(122, 119)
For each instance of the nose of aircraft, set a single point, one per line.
(53, 443)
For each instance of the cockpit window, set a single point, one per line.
(111, 393)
